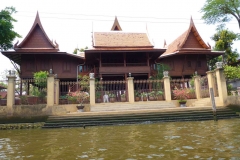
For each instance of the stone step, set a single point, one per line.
(131, 117)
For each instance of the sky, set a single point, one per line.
(71, 22)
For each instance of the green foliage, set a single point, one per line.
(223, 42)
(137, 93)
(3, 85)
(144, 94)
(112, 95)
(7, 35)
(232, 72)
(81, 50)
(219, 11)
(159, 93)
(41, 78)
(97, 94)
(160, 69)
(84, 82)
(40, 84)
(229, 89)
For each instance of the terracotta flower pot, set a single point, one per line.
(112, 99)
(137, 98)
(123, 99)
(32, 100)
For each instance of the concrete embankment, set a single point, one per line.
(137, 116)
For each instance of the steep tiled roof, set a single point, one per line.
(121, 39)
(190, 39)
(36, 40)
(116, 26)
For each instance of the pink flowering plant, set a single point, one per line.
(80, 96)
(181, 94)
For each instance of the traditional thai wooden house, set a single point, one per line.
(188, 54)
(37, 53)
(117, 54)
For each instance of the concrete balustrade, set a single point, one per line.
(53, 88)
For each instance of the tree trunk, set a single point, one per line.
(239, 23)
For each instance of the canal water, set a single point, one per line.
(177, 140)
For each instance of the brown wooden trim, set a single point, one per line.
(100, 61)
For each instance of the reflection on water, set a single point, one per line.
(177, 140)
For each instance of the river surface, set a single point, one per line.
(176, 140)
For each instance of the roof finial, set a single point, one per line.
(116, 26)
(165, 44)
(191, 21)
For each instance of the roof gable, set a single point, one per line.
(189, 39)
(37, 39)
(116, 26)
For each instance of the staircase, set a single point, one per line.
(202, 103)
(119, 106)
(85, 119)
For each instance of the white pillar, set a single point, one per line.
(11, 91)
(130, 89)
(57, 91)
(222, 86)
(197, 87)
(167, 88)
(50, 90)
(92, 91)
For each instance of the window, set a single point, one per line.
(66, 67)
(80, 68)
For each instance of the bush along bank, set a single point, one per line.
(15, 122)
(21, 126)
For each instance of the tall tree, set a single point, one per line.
(7, 35)
(223, 42)
(216, 11)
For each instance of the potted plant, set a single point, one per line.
(63, 99)
(181, 95)
(80, 97)
(144, 96)
(123, 97)
(152, 96)
(112, 97)
(23, 99)
(159, 95)
(98, 97)
(42, 96)
(137, 95)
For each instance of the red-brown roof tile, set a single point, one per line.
(190, 39)
(121, 39)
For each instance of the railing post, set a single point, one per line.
(11, 90)
(92, 88)
(211, 82)
(57, 91)
(50, 90)
(197, 87)
(130, 89)
(167, 88)
(221, 83)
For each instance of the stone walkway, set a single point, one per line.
(137, 107)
